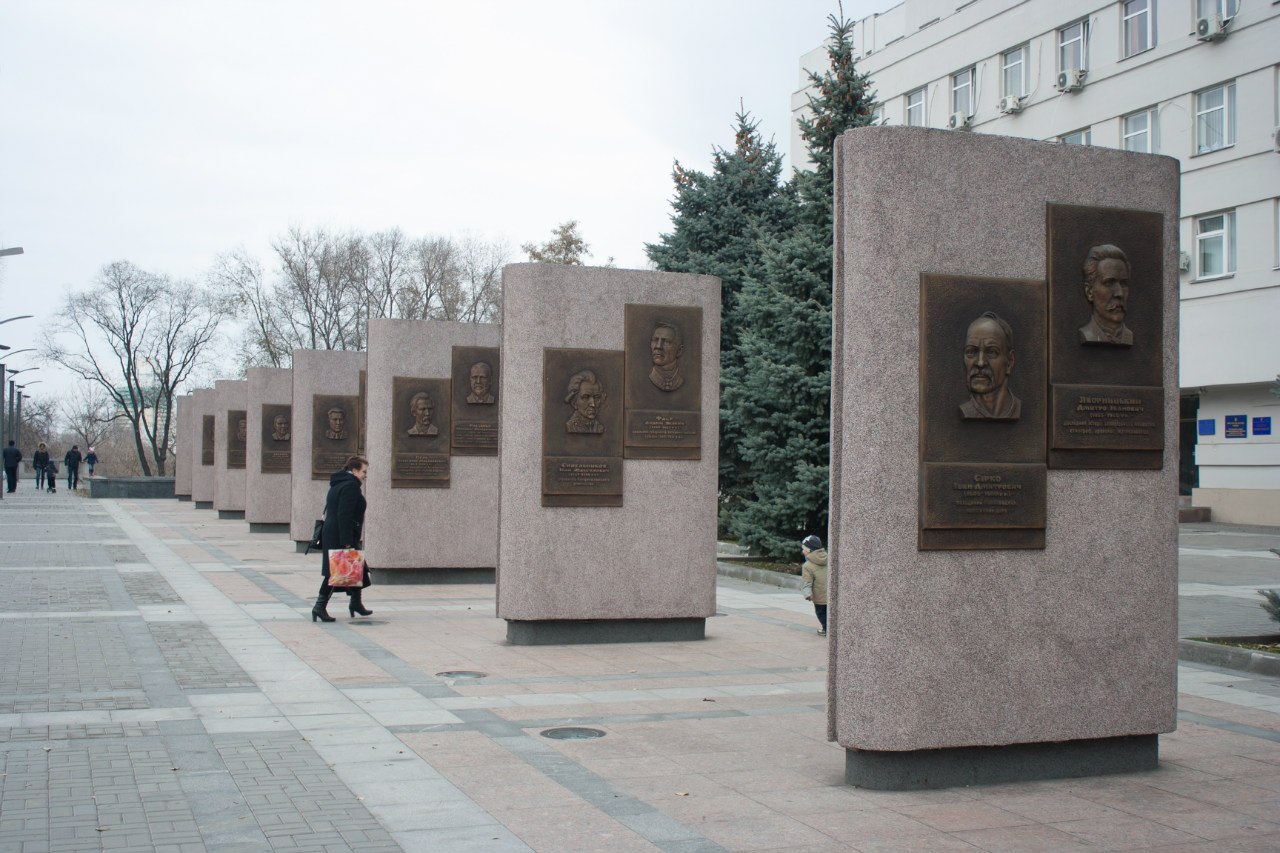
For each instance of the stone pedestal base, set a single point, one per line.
(265, 527)
(231, 513)
(988, 765)
(431, 576)
(204, 504)
(554, 632)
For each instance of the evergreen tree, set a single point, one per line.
(779, 400)
(718, 222)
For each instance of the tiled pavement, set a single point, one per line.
(162, 688)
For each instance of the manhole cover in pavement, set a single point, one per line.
(572, 733)
(461, 673)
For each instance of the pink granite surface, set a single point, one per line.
(959, 648)
(182, 448)
(314, 372)
(653, 557)
(202, 476)
(267, 496)
(455, 527)
(229, 491)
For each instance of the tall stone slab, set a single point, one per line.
(204, 453)
(182, 450)
(230, 435)
(268, 499)
(1046, 646)
(326, 394)
(433, 459)
(599, 541)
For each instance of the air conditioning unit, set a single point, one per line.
(1010, 104)
(1071, 80)
(1212, 28)
(1184, 261)
(959, 121)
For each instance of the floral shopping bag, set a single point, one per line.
(346, 567)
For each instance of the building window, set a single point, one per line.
(962, 92)
(1209, 8)
(1216, 118)
(1216, 244)
(1141, 132)
(877, 114)
(1079, 137)
(915, 108)
(1138, 34)
(1014, 67)
(1072, 46)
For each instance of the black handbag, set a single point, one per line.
(315, 536)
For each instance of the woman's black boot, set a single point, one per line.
(357, 606)
(319, 611)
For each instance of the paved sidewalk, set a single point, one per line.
(162, 688)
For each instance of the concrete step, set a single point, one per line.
(1193, 514)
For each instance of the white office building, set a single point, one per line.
(1198, 80)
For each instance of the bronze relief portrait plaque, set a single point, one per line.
(1106, 337)
(420, 417)
(363, 414)
(476, 372)
(333, 433)
(237, 437)
(983, 479)
(277, 437)
(206, 439)
(664, 382)
(582, 440)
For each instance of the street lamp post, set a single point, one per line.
(14, 422)
(12, 250)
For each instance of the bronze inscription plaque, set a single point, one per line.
(363, 414)
(475, 372)
(1106, 337)
(206, 439)
(582, 424)
(333, 433)
(277, 436)
(664, 382)
(420, 417)
(237, 437)
(983, 479)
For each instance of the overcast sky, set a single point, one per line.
(166, 132)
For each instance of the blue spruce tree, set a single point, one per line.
(777, 391)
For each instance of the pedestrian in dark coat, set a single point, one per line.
(72, 461)
(343, 525)
(91, 459)
(40, 462)
(12, 456)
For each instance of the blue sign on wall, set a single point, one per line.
(1208, 426)
(1262, 426)
(1236, 426)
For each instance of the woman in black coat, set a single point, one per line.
(343, 522)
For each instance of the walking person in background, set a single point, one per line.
(40, 461)
(343, 522)
(12, 456)
(51, 476)
(814, 573)
(91, 459)
(72, 461)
